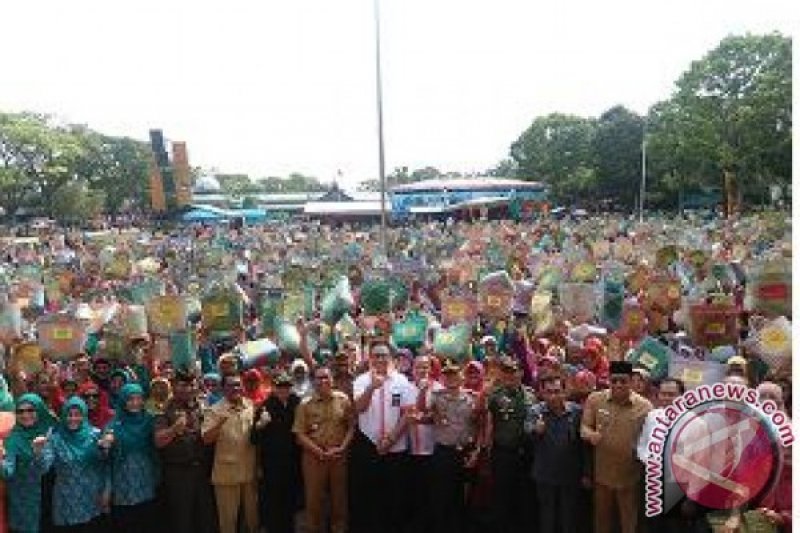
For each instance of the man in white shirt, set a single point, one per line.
(683, 513)
(382, 398)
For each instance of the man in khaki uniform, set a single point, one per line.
(612, 422)
(228, 424)
(324, 426)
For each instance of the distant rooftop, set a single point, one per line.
(469, 184)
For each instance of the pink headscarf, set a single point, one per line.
(476, 386)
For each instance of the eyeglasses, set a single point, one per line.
(23, 410)
(91, 395)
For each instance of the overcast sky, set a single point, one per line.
(269, 87)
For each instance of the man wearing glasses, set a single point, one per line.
(228, 424)
(382, 398)
(612, 422)
(323, 426)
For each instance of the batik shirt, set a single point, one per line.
(24, 489)
(80, 482)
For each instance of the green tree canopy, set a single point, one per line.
(730, 117)
(618, 152)
(558, 150)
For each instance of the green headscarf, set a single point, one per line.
(132, 430)
(19, 441)
(80, 442)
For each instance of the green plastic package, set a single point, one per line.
(453, 342)
(289, 339)
(411, 332)
(337, 302)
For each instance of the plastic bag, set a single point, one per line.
(289, 339)
(222, 311)
(167, 314)
(262, 352)
(652, 355)
(61, 337)
(337, 302)
(411, 332)
(182, 350)
(495, 293)
(453, 342)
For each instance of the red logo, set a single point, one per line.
(724, 455)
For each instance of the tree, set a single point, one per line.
(507, 168)
(618, 152)
(74, 201)
(236, 184)
(14, 186)
(401, 176)
(43, 154)
(116, 166)
(297, 182)
(425, 173)
(272, 184)
(733, 110)
(558, 150)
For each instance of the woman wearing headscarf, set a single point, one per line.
(116, 381)
(160, 394)
(254, 387)
(302, 384)
(76, 453)
(100, 414)
(134, 469)
(69, 388)
(474, 377)
(212, 389)
(48, 390)
(23, 463)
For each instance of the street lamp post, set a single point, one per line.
(379, 97)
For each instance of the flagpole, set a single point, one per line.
(379, 98)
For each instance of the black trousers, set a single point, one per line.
(378, 489)
(421, 508)
(280, 495)
(132, 518)
(188, 499)
(98, 525)
(449, 497)
(558, 508)
(508, 474)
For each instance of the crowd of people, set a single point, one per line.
(538, 421)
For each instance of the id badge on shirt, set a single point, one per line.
(396, 399)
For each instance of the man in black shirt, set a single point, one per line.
(561, 458)
(282, 487)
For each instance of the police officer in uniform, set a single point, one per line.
(454, 416)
